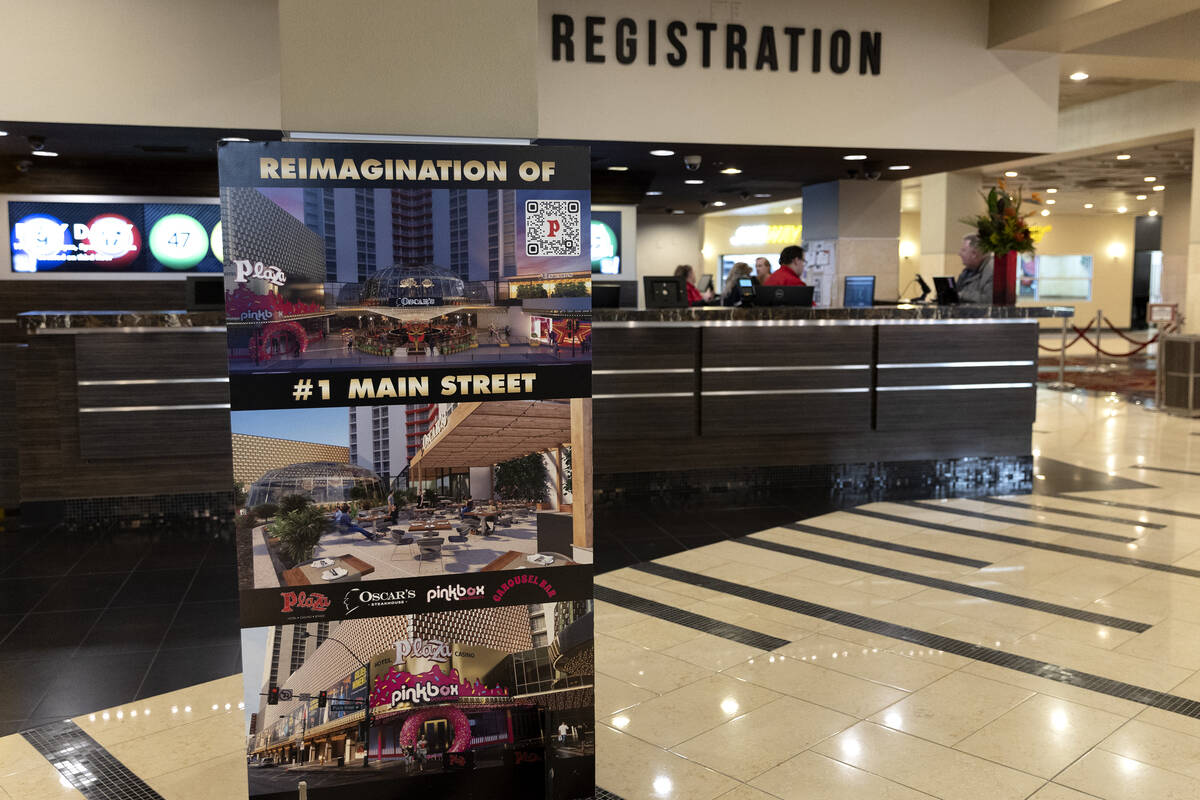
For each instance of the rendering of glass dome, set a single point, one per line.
(422, 285)
(320, 481)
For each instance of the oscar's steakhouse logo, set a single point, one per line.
(308, 601)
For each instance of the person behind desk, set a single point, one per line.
(974, 283)
(733, 294)
(694, 297)
(791, 267)
(341, 518)
(762, 269)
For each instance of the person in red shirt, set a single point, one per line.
(791, 267)
(694, 296)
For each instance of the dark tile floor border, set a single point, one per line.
(1068, 512)
(1047, 526)
(688, 619)
(897, 548)
(1128, 506)
(86, 765)
(949, 586)
(1000, 537)
(1030, 666)
(1166, 469)
(605, 794)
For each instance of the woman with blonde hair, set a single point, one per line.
(732, 292)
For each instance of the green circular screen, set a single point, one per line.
(179, 241)
(217, 245)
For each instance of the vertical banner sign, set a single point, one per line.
(410, 382)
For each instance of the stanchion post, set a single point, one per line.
(1062, 355)
(303, 789)
(1099, 330)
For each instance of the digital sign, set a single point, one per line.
(115, 237)
(606, 242)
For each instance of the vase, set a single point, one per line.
(1004, 278)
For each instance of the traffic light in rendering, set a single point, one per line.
(273, 696)
(322, 699)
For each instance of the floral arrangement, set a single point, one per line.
(1003, 228)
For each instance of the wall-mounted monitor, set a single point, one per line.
(606, 242)
(114, 238)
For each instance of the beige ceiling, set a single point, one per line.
(482, 434)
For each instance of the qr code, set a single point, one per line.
(552, 227)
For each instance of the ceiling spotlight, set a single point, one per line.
(788, 210)
(1141, 197)
(234, 139)
(854, 157)
(1078, 76)
(1159, 188)
(762, 194)
(694, 181)
(1012, 173)
(1052, 191)
(731, 171)
(653, 193)
(1123, 156)
(718, 203)
(618, 169)
(1152, 213)
(899, 167)
(1089, 205)
(677, 211)
(662, 152)
(1045, 212)
(1149, 179)
(45, 153)
(1122, 209)
(1051, 202)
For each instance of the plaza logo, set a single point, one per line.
(430, 650)
(308, 601)
(247, 270)
(452, 593)
(524, 580)
(364, 598)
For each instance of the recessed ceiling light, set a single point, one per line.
(1052, 191)
(762, 194)
(1152, 213)
(854, 157)
(718, 203)
(618, 169)
(677, 211)
(1141, 197)
(1123, 156)
(1159, 188)
(1012, 173)
(1045, 212)
(1051, 202)
(899, 167)
(1149, 179)
(653, 193)
(694, 181)
(1122, 209)
(662, 152)
(731, 171)
(788, 210)
(45, 153)
(1079, 76)
(233, 139)
(1089, 205)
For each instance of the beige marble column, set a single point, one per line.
(863, 219)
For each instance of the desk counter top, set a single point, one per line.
(719, 315)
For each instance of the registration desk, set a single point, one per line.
(702, 398)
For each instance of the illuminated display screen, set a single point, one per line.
(168, 238)
(606, 242)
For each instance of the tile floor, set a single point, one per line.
(1041, 647)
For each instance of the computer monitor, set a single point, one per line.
(606, 294)
(205, 293)
(947, 291)
(664, 291)
(858, 291)
(784, 296)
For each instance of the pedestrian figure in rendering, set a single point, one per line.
(341, 518)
